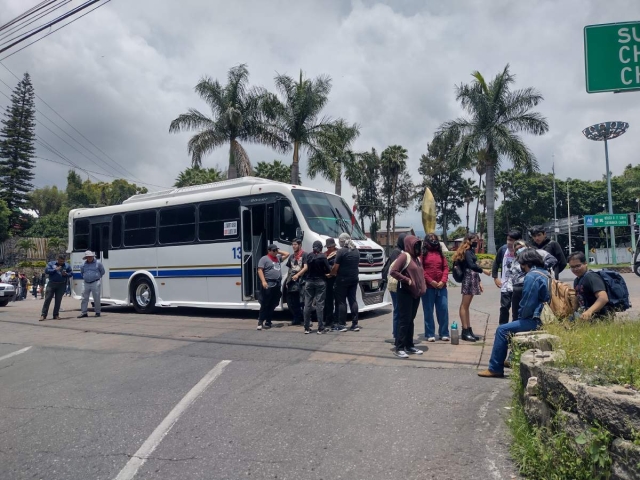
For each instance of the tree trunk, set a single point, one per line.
(490, 180)
(295, 164)
(445, 224)
(468, 203)
(232, 172)
(339, 182)
(475, 220)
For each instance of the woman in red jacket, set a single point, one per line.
(436, 274)
(407, 270)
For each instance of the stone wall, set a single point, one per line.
(550, 393)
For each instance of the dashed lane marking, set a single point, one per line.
(140, 457)
(14, 353)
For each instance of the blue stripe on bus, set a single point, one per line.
(183, 273)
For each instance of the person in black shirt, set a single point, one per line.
(590, 289)
(541, 241)
(347, 271)
(329, 303)
(315, 289)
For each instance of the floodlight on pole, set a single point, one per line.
(602, 132)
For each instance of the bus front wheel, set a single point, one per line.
(143, 295)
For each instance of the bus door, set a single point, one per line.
(257, 233)
(100, 242)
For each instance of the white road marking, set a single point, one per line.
(140, 457)
(484, 408)
(15, 353)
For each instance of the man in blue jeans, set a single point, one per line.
(535, 293)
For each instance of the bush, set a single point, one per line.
(36, 264)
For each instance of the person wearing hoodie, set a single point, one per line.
(436, 275)
(411, 287)
(539, 237)
(395, 253)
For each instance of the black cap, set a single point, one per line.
(271, 247)
(317, 246)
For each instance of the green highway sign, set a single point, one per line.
(612, 57)
(615, 220)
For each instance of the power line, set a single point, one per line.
(59, 19)
(24, 15)
(16, 28)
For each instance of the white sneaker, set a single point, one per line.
(445, 339)
(413, 351)
(259, 327)
(431, 339)
(400, 354)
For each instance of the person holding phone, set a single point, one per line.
(59, 271)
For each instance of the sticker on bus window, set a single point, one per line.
(230, 228)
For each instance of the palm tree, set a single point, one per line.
(54, 245)
(296, 117)
(333, 152)
(393, 162)
(198, 176)
(497, 114)
(237, 116)
(469, 192)
(25, 245)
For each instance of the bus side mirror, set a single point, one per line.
(299, 233)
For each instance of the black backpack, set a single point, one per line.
(617, 290)
(458, 271)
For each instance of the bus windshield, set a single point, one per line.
(327, 214)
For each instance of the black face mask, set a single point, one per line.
(432, 244)
(474, 245)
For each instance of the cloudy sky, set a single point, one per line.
(122, 73)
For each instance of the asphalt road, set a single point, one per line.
(89, 400)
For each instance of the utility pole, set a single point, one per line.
(555, 203)
(568, 216)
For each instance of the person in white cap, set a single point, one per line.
(92, 271)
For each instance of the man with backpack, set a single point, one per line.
(541, 241)
(590, 288)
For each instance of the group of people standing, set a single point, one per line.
(320, 283)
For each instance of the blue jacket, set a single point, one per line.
(92, 272)
(55, 275)
(535, 293)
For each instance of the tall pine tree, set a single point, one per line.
(17, 136)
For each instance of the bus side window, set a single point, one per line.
(116, 231)
(81, 231)
(288, 223)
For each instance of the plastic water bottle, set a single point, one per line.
(455, 334)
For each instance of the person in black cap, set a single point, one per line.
(270, 273)
(316, 286)
(330, 314)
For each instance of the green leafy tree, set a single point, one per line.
(17, 136)
(275, 170)
(198, 176)
(444, 180)
(46, 200)
(364, 175)
(334, 152)
(296, 116)
(51, 225)
(5, 215)
(459, 232)
(496, 115)
(55, 246)
(237, 116)
(393, 162)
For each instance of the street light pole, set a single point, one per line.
(607, 131)
(555, 205)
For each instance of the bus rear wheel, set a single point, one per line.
(636, 268)
(143, 295)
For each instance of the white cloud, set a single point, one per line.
(122, 73)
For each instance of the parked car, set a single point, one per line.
(7, 293)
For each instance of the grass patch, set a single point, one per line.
(605, 352)
(542, 454)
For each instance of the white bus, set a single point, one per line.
(199, 246)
